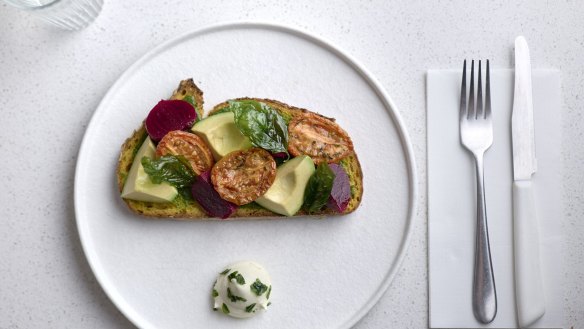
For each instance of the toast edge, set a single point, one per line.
(192, 211)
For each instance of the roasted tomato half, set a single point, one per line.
(191, 146)
(241, 177)
(318, 137)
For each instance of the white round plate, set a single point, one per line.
(326, 273)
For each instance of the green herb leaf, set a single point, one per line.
(215, 293)
(185, 193)
(225, 309)
(191, 100)
(238, 277)
(258, 287)
(319, 188)
(269, 303)
(172, 169)
(269, 292)
(263, 125)
(234, 298)
(250, 307)
(225, 272)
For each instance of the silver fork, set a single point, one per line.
(476, 134)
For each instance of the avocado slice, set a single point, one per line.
(221, 134)
(138, 185)
(286, 194)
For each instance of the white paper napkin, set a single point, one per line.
(452, 194)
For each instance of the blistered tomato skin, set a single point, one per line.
(169, 115)
(189, 145)
(242, 176)
(320, 138)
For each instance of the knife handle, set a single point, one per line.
(529, 294)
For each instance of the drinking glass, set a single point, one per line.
(67, 14)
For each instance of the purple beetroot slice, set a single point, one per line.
(341, 192)
(280, 155)
(204, 193)
(167, 116)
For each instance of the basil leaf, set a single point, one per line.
(263, 125)
(319, 188)
(258, 287)
(191, 100)
(185, 193)
(174, 170)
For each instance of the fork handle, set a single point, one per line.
(484, 296)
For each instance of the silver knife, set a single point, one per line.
(529, 294)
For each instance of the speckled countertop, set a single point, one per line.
(51, 82)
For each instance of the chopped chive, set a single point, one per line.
(225, 272)
(249, 308)
(237, 276)
(269, 292)
(225, 309)
(258, 287)
(215, 293)
(234, 298)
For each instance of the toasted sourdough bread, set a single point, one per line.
(183, 209)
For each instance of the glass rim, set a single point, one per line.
(26, 5)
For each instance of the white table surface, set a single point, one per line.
(51, 81)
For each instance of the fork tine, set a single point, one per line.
(480, 113)
(488, 93)
(471, 98)
(463, 108)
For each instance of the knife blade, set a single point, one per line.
(529, 293)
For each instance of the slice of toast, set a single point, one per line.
(188, 88)
(181, 208)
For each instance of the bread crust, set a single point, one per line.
(190, 210)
